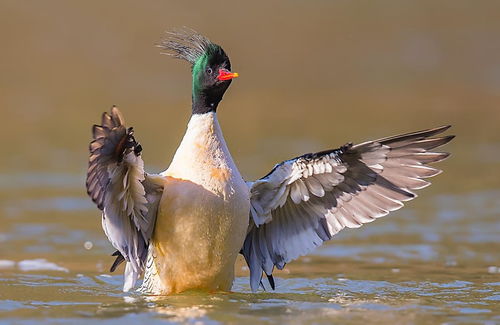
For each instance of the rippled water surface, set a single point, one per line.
(350, 71)
(433, 262)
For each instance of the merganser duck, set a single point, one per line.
(184, 227)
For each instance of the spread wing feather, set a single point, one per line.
(305, 201)
(128, 196)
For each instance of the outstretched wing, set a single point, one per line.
(128, 196)
(304, 201)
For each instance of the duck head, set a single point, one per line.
(210, 67)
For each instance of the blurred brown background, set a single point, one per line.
(313, 76)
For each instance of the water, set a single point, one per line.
(352, 71)
(434, 261)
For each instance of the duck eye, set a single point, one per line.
(209, 70)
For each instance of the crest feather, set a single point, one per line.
(186, 44)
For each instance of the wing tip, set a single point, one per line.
(449, 138)
(443, 128)
(422, 134)
(435, 130)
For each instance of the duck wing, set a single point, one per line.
(306, 200)
(127, 196)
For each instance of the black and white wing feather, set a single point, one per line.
(305, 201)
(128, 196)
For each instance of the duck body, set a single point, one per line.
(183, 229)
(202, 217)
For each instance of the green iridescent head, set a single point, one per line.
(210, 67)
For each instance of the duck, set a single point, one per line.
(183, 229)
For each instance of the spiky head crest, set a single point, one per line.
(187, 44)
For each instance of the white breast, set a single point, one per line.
(203, 215)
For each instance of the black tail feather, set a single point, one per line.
(119, 260)
(271, 281)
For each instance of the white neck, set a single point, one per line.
(201, 150)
